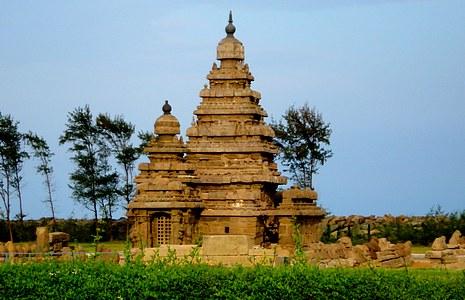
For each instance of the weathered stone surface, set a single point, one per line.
(42, 239)
(384, 244)
(455, 239)
(229, 260)
(345, 242)
(216, 245)
(373, 247)
(10, 248)
(404, 249)
(3, 250)
(360, 254)
(55, 237)
(398, 262)
(439, 244)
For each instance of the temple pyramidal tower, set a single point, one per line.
(224, 179)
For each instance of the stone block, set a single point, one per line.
(214, 245)
(404, 249)
(345, 241)
(455, 238)
(262, 252)
(394, 263)
(42, 239)
(386, 255)
(384, 244)
(439, 244)
(228, 260)
(359, 255)
(10, 247)
(55, 237)
(433, 254)
(3, 250)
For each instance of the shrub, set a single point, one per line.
(92, 280)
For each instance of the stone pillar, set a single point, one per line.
(10, 247)
(42, 239)
(285, 232)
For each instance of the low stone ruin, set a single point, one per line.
(443, 253)
(55, 242)
(235, 249)
(377, 252)
(227, 250)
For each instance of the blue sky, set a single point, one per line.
(388, 75)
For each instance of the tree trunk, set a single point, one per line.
(49, 190)
(94, 202)
(20, 198)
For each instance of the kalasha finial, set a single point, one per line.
(166, 108)
(230, 28)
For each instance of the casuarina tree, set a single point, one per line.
(118, 134)
(41, 151)
(303, 139)
(92, 176)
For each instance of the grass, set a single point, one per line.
(420, 249)
(114, 246)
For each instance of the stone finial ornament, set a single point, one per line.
(166, 108)
(230, 28)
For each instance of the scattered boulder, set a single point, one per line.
(345, 241)
(439, 244)
(373, 247)
(384, 244)
(58, 240)
(454, 241)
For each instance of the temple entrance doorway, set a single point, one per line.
(160, 229)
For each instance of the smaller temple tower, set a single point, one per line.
(166, 207)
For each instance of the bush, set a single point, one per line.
(80, 280)
(436, 224)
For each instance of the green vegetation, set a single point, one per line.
(302, 137)
(436, 224)
(96, 280)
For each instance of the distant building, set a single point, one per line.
(223, 180)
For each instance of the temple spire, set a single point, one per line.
(230, 28)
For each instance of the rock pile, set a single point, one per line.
(377, 252)
(443, 253)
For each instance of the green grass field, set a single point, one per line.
(90, 247)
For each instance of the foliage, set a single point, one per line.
(93, 179)
(437, 223)
(302, 139)
(118, 134)
(80, 230)
(12, 156)
(299, 254)
(42, 152)
(97, 280)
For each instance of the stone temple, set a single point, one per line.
(223, 180)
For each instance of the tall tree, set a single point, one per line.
(118, 133)
(302, 137)
(41, 151)
(8, 133)
(90, 155)
(18, 158)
